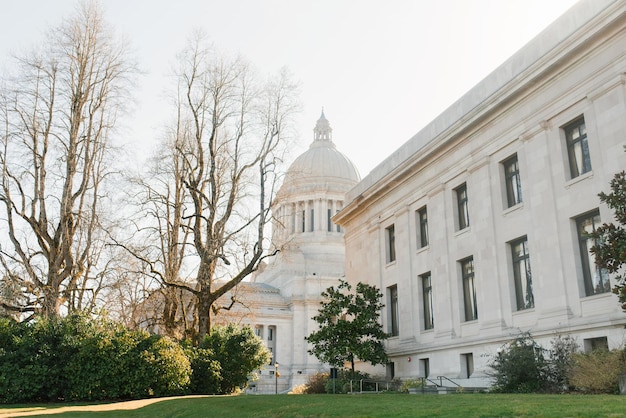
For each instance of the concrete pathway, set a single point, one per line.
(116, 406)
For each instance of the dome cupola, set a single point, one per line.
(322, 164)
(313, 191)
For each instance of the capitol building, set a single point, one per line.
(475, 228)
(284, 295)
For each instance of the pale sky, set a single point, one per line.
(382, 69)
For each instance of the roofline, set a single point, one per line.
(533, 60)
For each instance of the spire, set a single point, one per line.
(323, 131)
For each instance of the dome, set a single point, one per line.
(322, 163)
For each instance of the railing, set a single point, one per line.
(442, 378)
(377, 385)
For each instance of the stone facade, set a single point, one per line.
(472, 228)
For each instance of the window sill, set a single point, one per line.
(513, 208)
(460, 232)
(582, 177)
(523, 311)
(422, 249)
(596, 295)
(390, 263)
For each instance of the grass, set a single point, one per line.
(382, 405)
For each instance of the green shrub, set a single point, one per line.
(597, 372)
(520, 367)
(239, 352)
(523, 366)
(167, 366)
(80, 358)
(32, 361)
(316, 383)
(206, 371)
(413, 384)
(561, 352)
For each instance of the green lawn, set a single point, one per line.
(383, 405)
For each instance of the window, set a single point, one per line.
(390, 370)
(328, 221)
(469, 289)
(467, 364)
(303, 221)
(390, 243)
(513, 184)
(270, 333)
(425, 363)
(522, 275)
(577, 148)
(427, 300)
(422, 222)
(594, 344)
(338, 227)
(392, 291)
(462, 207)
(258, 331)
(312, 220)
(595, 278)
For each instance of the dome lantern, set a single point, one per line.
(322, 130)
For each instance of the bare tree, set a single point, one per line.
(161, 237)
(230, 135)
(57, 117)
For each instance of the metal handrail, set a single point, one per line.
(442, 378)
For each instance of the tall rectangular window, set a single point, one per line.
(462, 206)
(577, 147)
(469, 289)
(467, 364)
(303, 221)
(596, 279)
(392, 291)
(329, 222)
(422, 222)
(522, 274)
(512, 180)
(427, 300)
(390, 243)
(312, 221)
(338, 226)
(425, 366)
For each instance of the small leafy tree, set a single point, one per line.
(349, 326)
(610, 247)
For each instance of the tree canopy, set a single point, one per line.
(349, 326)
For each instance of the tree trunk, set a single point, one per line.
(352, 365)
(51, 306)
(204, 315)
